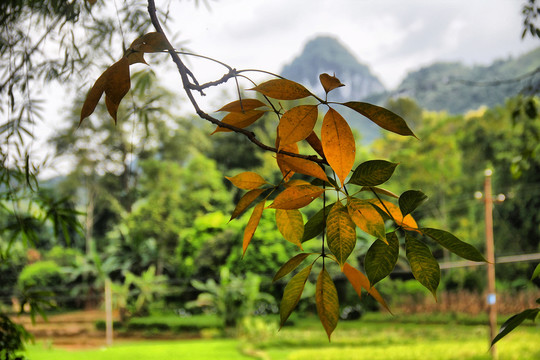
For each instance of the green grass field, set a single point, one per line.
(306, 340)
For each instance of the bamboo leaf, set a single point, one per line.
(296, 197)
(290, 224)
(381, 258)
(247, 180)
(302, 166)
(240, 120)
(372, 173)
(410, 200)
(290, 265)
(358, 280)
(292, 293)
(296, 124)
(453, 244)
(327, 302)
(245, 201)
(282, 89)
(424, 266)
(341, 233)
(242, 105)
(382, 117)
(251, 226)
(329, 82)
(514, 322)
(367, 218)
(338, 144)
(316, 224)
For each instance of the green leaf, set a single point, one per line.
(536, 272)
(382, 117)
(290, 224)
(327, 302)
(453, 244)
(341, 233)
(381, 258)
(290, 265)
(424, 266)
(372, 173)
(292, 293)
(514, 322)
(410, 200)
(315, 225)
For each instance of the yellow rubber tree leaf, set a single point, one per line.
(251, 226)
(296, 197)
(329, 82)
(292, 293)
(326, 299)
(296, 124)
(282, 89)
(117, 85)
(341, 233)
(290, 224)
(290, 265)
(240, 120)
(358, 281)
(285, 169)
(367, 218)
(338, 144)
(242, 105)
(395, 212)
(150, 42)
(297, 182)
(245, 201)
(247, 180)
(303, 166)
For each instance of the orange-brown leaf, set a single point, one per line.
(358, 281)
(117, 85)
(245, 201)
(367, 218)
(297, 182)
(285, 170)
(282, 89)
(395, 213)
(296, 197)
(251, 226)
(247, 180)
(315, 143)
(242, 105)
(240, 120)
(329, 82)
(303, 166)
(338, 144)
(296, 124)
(136, 57)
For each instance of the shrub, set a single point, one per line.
(45, 278)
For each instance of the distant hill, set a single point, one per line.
(442, 86)
(326, 54)
(457, 88)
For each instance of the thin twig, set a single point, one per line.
(185, 73)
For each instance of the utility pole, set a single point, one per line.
(490, 256)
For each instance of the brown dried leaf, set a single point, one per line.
(117, 85)
(329, 82)
(151, 42)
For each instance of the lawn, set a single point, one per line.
(351, 340)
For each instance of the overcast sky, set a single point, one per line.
(391, 36)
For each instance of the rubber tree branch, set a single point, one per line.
(188, 86)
